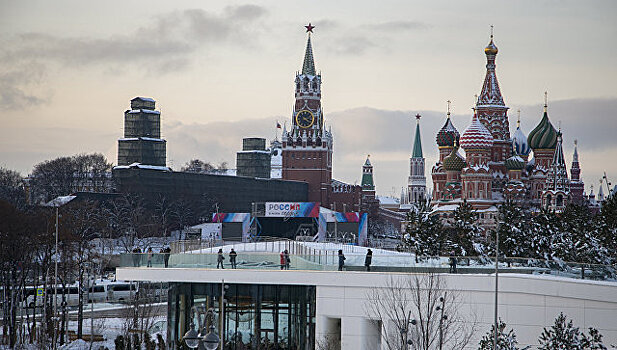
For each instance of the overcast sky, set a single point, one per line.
(221, 70)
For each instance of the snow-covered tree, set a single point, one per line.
(581, 229)
(464, 231)
(505, 341)
(513, 230)
(423, 232)
(564, 336)
(607, 227)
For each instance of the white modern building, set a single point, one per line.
(301, 307)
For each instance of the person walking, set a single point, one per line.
(136, 256)
(368, 260)
(452, 262)
(149, 257)
(287, 260)
(219, 259)
(166, 254)
(341, 260)
(283, 260)
(232, 258)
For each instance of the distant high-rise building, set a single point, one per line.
(142, 141)
(254, 159)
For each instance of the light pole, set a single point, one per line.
(55, 204)
(496, 287)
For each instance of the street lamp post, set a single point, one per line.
(56, 284)
(496, 287)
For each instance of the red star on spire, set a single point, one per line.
(418, 116)
(309, 28)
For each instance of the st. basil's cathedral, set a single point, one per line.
(496, 166)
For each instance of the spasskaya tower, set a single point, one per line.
(307, 147)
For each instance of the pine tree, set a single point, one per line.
(513, 230)
(423, 232)
(546, 240)
(505, 341)
(607, 228)
(464, 231)
(564, 336)
(581, 230)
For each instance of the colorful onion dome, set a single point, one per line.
(519, 141)
(491, 49)
(454, 161)
(448, 134)
(544, 136)
(476, 135)
(515, 163)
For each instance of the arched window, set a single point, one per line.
(559, 200)
(548, 200)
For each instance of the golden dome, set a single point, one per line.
(491, 49)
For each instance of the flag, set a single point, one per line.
(278, 125)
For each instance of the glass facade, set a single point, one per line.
(255, 316)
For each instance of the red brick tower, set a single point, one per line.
(493, 113)
(307, 147)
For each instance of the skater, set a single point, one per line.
(219, 259)
(452, 263)
(341, 260)
(232, 258)
(149, 257)
(283, 261)
(368, 259)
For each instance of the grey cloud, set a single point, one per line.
(163, 46)
(15, 83)
(172, 35)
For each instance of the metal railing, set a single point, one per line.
(266, 255)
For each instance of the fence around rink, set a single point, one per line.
(265, 254)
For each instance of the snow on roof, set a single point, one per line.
(135, 111)
(59, 201)
(143, 166)
(388, 200)
(141, 138)
(255, 151)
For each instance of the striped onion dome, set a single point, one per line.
(519, 142)
(448, 134)
(454, 161)
(544, 136)
(476, 136)
(515, 163)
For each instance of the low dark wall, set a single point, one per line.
(232, 193)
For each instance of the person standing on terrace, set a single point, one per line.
(341, 260)
(219, 259)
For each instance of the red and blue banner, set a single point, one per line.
(292, 209)
(244, 218)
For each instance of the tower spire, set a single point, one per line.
(417, 144)
(545, 101)
(308, 67)
(518, 118)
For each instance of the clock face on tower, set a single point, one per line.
(305, 119)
